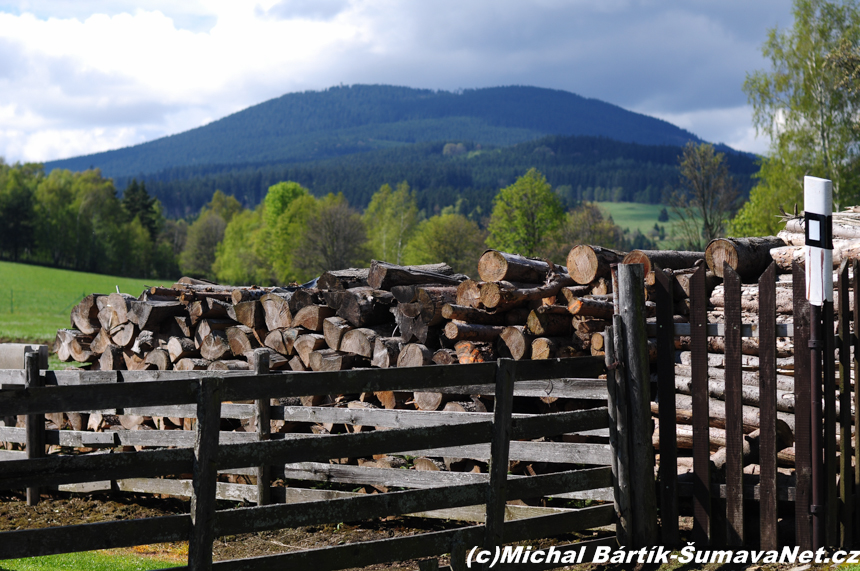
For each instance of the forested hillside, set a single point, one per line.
(315, 125)
(579, 167)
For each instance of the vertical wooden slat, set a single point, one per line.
(205, 475)
(767, 407)
(499, 451)
(666, 397)
(854, 337)
(701, 433)
(846, 477)
(631, 298)
(831, 466)
(35, 423)
(734, 410)
(802, 394)
(263, 420)
(617, 394)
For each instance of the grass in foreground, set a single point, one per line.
(35, 301)
(87, 561)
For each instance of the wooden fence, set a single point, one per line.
(495, 436)
(719, 508)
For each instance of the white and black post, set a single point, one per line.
(818, 207)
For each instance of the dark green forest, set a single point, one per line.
(316, 125)
(580, 168)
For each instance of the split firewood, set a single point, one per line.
(149, 314)
(343, 279)
(160, 358)
(181, 347)
(362, 341)
(393, 399)
(229, 365)
(384, 276)
(749, 257)
(283, 340)
(518, 341)
(85, 315)
(386, 350)
(304, 297)
(557, 347)
(586, 263)
(215, 346)
(331, 360)
(601, 286)
(206, 326)
(242, 339)
(428, 465)
(276, 360)
(276, 310)
(115, 310)
(192, 364)
(429, 400)
(457, 331)
(429, 302)
(312, 317)
(363, 307)
(248, 313)
(184, 325)
(134, 362)
(474, 352)
(414, 355)
(445, 357)
(653, 260)
(112, 358)
(333, 330)
(469, 294)
(472, 315)
(296, 364)
(101, 341)
(65, 338)
(306, 344)
(207, 309)
(124, 334)
(495, 266)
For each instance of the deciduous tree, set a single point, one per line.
(450, 238)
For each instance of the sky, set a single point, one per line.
(87, 76)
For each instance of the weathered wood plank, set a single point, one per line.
(701, 449)
(719, 329)
(202, 533)
(846, 476)
(767, 407)
(666, 394)
(497, 492)
(802, 428)
(35, 423)
(734, 410)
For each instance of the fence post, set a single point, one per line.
(502, 429)
(802, 414)
(617, 404)
(35, 423)
(846, 477)
(631, 298)
(768, 505)
(262, 417)
(205, 475)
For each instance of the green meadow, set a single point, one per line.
(87, 561)
(36, 301)
(642, 217)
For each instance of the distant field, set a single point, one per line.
(36, 301)
(635, 216)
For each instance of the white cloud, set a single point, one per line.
(732, 126)
(96, 74)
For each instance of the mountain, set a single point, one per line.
(317, 125)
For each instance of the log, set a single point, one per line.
(445, 357)
(431, 299)
(254, 293)
(591, 308)
(474, 352)
(184, 325)
(124, 334)
(549, 324)
(304, 297)
(586, 264)
(474, 405)
(457, 331)
(248, 313)
(333, 330)
(428, 465)
(844, 231)
(749, 394)
(362, 341)
(63, 341)
(682, 278)
(181, 347)
(312, 317)
(469, 294)
(501, 296)
(428, 400)
(207, 309)
(749, 300)
(276, 310)
(495, 266)
(216, 346)
(601, 286)
(343, 279)
(160, 358)
(749, 257)
(364, 307)
(149, 314)
(385, 352)
(116, 308)
(568, 294)
(518, 342)
(207, 326)
(653, 260)
(101, 341)
(306, 344)
(556, 347)
(414, 355)
(393, 399)
(112, 359)
(85, 315)
(276, 360)
(229, 365)
(241, 339)
(384, 276)
(472, 315)
(296, 364)
(331, 360)
(135, 362)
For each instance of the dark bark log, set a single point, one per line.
(304, 297)
(385, 276)
(749, 257)
(591, 308)
(365, 307)
(549, 324)
(445, 357)
(653, 260)
(468, 332)
(501, 296)
(472, 315)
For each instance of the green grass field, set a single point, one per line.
(642, 217)
(87, 561)
(36, 301)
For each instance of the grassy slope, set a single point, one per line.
(87, 561)
(36, 301)
(640, 216)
